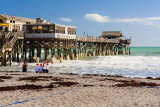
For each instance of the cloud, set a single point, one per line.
(157, 24)
(66, 19)
(153, 18)
(136, 19)
(96, 17)
(149, 21)
(156, 38)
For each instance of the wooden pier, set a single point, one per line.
(17, 45)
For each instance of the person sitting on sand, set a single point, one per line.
(37, 68)
(40, 68)
(47, 67)
(24, 66)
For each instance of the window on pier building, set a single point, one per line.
(28, 22)
(72, 31)
(45, 29)
(12, 21)
(29, 29)
(39, 30)
(51, 29)
(60, 29)
(34, 29)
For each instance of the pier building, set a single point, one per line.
(14, 23)
(32, 38)
(112, 34)
(118, 35)
(51, 30)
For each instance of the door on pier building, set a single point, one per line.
(1, 27)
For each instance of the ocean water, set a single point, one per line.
(145, 51)
(143, 62)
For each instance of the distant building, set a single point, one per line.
(14, 23)
(112, 34)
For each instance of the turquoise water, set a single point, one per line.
(143, 62)
(135, 51)
(145, 51)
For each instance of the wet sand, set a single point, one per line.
(72, 90)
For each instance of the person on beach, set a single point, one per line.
(44, 67)
(40, 68)
(47, 67)
(24, 66)
(37, 68)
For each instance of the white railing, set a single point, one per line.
(76, 38)
(63, 36)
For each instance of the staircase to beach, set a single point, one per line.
(8, 40)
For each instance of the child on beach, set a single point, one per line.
(37, 68)
(44, 67)
(47, 67)
(40, 68)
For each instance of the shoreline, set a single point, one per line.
(115, 75)
(140, 67)
(98, 90)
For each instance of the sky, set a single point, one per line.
(138, 19)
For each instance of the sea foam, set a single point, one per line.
(130, 66)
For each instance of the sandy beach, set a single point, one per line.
(80, 53)
(71, 90)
